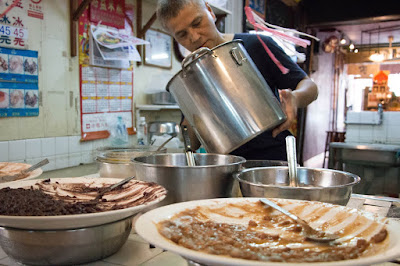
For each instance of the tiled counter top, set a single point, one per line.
(136, 251)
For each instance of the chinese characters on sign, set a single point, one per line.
(109, 12)
(13, 28)
(35, 9)
(104, 91)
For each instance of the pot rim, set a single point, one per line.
(198, 58)
(354, 182)
(240, 161)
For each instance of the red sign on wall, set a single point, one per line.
(35, 9)
(108, 12)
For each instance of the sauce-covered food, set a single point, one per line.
(250, 230)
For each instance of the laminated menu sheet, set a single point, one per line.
(19, 90)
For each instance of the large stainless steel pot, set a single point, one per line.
(116, 162)
(224, 97)
(210, 178)
(315, 184)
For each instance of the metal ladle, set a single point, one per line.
(309, 232)
(188, 148)
(292, 162)
(165, 142)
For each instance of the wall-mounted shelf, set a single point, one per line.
(153, 107)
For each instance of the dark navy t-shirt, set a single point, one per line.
(264, 146)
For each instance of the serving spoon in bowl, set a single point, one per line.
(309, 232)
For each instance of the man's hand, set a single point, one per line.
(306, 92)
(289, 106)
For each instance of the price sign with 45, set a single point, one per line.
(13, 32)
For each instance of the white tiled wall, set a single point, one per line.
(386, 133)
(62, 152)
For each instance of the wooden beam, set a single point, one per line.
(80, 9)
(73, 4)
(148, 25)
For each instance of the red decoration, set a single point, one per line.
(108, 12)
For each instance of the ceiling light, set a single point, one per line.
(343, 41)
(351, 46)
(356, 51)
(376, 57)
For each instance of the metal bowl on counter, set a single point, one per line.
(211, 177)
(65, 247)
(116, 162)
(323, 185)
(159, 128)
(162, 98)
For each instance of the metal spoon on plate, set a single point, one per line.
(24, 172)
(309, 232)
(103, 191)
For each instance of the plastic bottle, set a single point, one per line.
(119, 134)
(142, 131)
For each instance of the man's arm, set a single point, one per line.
(305, 93)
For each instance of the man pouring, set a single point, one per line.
(192, 24)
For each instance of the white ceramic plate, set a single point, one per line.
(69, 221)
(9, 168)
(146, 228)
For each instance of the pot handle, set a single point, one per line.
(199, 52)
(237, 56)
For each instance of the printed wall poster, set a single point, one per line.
(19, 99)
(18, 65)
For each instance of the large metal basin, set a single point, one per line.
(324, 185)
(210, 178)
(65, 247)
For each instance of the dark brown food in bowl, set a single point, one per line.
(49, 198)
(33, 202)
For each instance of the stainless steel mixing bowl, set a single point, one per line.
(65, 247)
(210, 178)
(315, 184)
(116, 162)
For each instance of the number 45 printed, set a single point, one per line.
(14, 32)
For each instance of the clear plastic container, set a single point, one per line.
(142, 131)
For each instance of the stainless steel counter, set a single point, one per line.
(371, 154)
(378, 165)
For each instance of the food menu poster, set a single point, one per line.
(106, 93)
(19, 99)
(18, 65)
